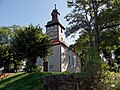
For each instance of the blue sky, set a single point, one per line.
(25, 12)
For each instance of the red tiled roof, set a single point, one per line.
(54, 42)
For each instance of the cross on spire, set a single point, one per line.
(55, 6)
(55, 3)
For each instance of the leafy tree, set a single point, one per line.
(117, 55)
(98, 25)
(110, 44)
(92, 19)
(5, 52)
(29, 43)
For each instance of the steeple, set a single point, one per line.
(55, 15)
(54, 28)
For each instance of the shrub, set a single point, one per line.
(109, 81)
(103, 81)
(39, 69)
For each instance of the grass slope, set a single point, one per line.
(24, 81)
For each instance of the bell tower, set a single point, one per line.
(54, 28)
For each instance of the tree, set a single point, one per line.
(92, 18)
(29, 43)
(5, 52)
(110, 44)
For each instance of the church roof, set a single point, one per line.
(55, 11)
(51, 23)
(57, 42)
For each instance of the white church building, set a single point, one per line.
(63, 58)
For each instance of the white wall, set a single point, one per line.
(63, 59)
(69, 60)
(54, 60)
(61, 34)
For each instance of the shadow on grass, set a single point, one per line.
(24, 81)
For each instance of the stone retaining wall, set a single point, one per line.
(62, 82)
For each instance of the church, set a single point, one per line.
(63, 58)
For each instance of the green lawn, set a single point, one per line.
(24, 81)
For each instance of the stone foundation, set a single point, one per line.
(62, 82)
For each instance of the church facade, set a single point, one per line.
(63, 58)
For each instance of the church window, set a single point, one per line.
(72, 60)
(54, 37)
(61, 30)
(55, 30)
(55, 26)
(69, 59)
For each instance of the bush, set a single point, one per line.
(103, 81)
(39, 69)
(109, 81)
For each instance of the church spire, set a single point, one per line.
(54, 28)
(55, 18)
(55, 14)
